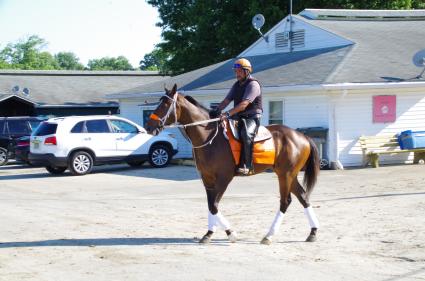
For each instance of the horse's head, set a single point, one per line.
(165, 113)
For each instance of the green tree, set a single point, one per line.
(107, 63)
(68, 61)
(197, 33)
(27, 54)
(155, 60)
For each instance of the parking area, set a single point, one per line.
(122, 223)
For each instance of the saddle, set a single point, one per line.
(264, 149)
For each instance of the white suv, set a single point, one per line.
(79, 142)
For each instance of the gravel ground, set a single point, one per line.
(120, 223)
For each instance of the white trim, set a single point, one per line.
(19, 97)
(288, 88)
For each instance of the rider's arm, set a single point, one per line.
(223, 104)
(240, 107)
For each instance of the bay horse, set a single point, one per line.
(216, 165)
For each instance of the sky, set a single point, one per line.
(91, 29)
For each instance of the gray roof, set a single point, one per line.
(72, 87)
(270, 70)
(382, 52)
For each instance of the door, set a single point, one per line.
(99, 138)
(130, 140)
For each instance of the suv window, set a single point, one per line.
(45, 129)
(2, 122)
(34, 124)
(18, 127)
(78, 128)
(119, 126)
(97, 126)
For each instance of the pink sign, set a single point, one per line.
(384, 109)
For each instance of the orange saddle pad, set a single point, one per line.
(264, 151)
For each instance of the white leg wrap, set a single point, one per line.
(222, 221)
(274, 228)
(217, 220)
(311, 216)
(211, 222)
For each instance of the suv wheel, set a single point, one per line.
(55, 170)
(4, 157)
(159, 156)
(81, 163)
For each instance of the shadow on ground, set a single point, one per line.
(172, 172)
(112, 242)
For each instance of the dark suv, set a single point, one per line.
(12, 128)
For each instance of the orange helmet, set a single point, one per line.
(243, 63)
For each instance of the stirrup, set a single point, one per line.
(243, 171)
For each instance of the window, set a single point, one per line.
(46, 129)
(2, 122)
(146, 114)
(34, 124)
(78, 128)
(97, 126)
(276, 112)
(19, 127)
(119, 126)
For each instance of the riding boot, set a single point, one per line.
(248, 130)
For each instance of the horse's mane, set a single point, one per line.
(196, 103)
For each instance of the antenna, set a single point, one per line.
(419, 61)
(291, 48)
(257, 22)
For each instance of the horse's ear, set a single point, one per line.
(174, 89)
(165, 89)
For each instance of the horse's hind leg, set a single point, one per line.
(302, 196)
(285, 200)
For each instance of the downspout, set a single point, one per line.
(335, 164)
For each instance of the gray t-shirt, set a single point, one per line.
(252, 91)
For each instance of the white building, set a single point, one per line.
(329, 68)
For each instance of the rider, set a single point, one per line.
(246, 96)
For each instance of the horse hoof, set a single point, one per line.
(311, 238)
(205, 240)
(233, 237)
(266, 241)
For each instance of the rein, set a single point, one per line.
(172, 108)
(175, 125)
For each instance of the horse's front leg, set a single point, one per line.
(216, 219)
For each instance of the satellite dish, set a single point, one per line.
(419, 58)
(26, 91)
(419, 61)
(15, 89)
(257, 22)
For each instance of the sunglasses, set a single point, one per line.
(237, 65)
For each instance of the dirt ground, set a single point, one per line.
(142, 224)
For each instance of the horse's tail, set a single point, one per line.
(312, 167)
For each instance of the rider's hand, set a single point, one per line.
(224, 115)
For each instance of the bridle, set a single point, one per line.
(171, 109)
